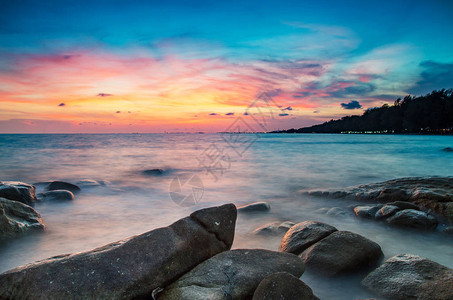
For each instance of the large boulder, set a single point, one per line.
(283, 286)
(303, 235)
(17, 218)
(407, 276)
(232, 274)
(341, 252)
(255, 207)
(414, 219)
(61, 185)
(58, 195)
(276, 228)
(130, 268)
(18, 191)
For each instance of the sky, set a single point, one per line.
(189, 66)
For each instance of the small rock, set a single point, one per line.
(448, 149)
(283, 286)
(366, 211)
(154, 172)
(61, 185)
(448, 230)
(341, 252)
(130, 268)
(336, 212)
(303, 235)
(275, 228)
(17, 218)
(322, 210)
(255, 207)
(235, 274)
(60, 195)
(90, 183)
(18, 191)
(448, 211)
(404, 205)
(407, 276)
(414, 219)
(386, 211)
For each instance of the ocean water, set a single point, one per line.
(228, 168)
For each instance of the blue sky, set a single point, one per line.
(333, 51)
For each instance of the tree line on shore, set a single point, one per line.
(428, 114)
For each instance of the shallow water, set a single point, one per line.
(268, 167)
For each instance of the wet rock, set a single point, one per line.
(61, 185)
(17, 218)
(341, 252)
(413, 219)
(283, 286)
(407, 276)
(87, 183)
(255, 207)
(448, 149)
(235, 274)
(275, 228)
(448, 230)
(18, 191)
(366, 211)
(57, 195)
(303, 235)
(154, 172)
(336, 212)
(404, 205)
(129, 268)
(386, 211)
(322, 210)
(448, 211)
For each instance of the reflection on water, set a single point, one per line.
(272, 169)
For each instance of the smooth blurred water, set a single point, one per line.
(273, 168)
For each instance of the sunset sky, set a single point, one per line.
(156, 66)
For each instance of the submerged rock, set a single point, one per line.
(414, 219)
(341, 252)
(232, 274)
(17, 218)
(154, 172)
(336, 212)
(386, 211)
(366, 211)
(255, 207)
(303, 235)
(129, 268)
(283, 286)
(60, 195)
(61, 185)
(90, 183)
(448, 149)
(275, 228)
(18, 191)
(407, 276)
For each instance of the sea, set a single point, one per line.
(190, 171)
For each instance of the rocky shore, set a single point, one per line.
(192, 258)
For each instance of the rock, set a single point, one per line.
(414, 219)
(17, 218)
(404, 205)
(129, 268)
(61, 185)
(336, 212)
(235, 274)
(386, 211)
(448, 230)
(322, 210)
(423, 191)
(18, 191)
(255, 207)
(275, 228)
(341, 252)
(407, 276)
(154, 172)
(366, 211)
(283, 286)
(90, 183)
(303, 235)
(61, 195)
(448, 211)
(448, 149)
